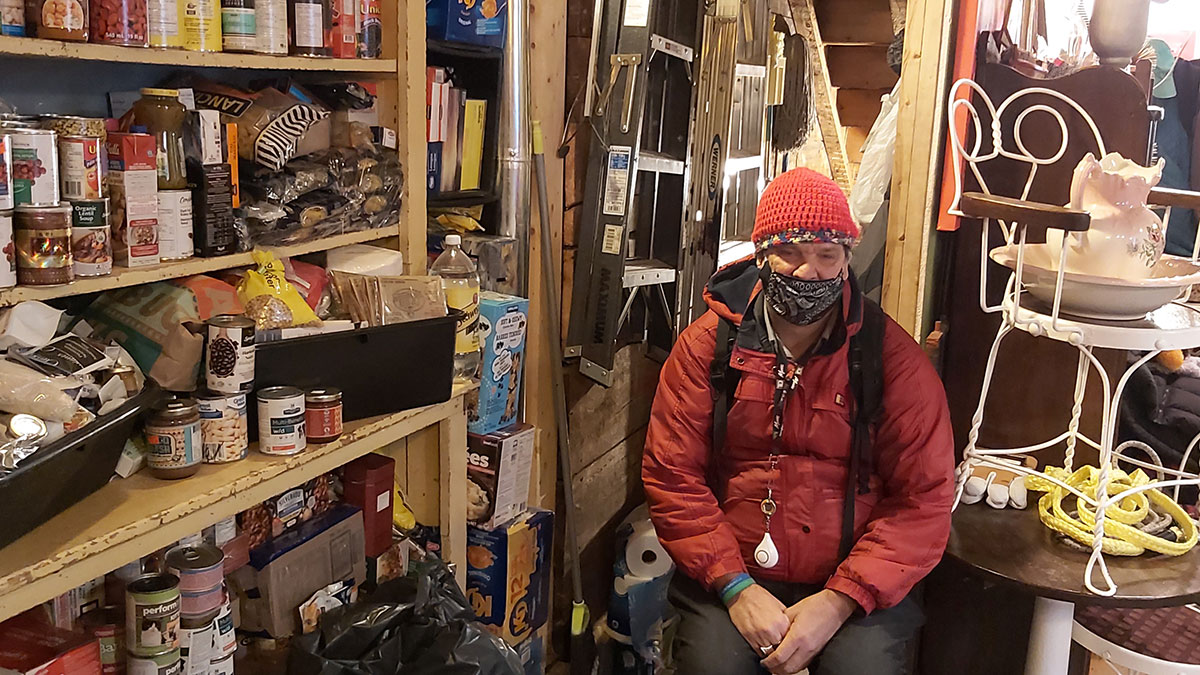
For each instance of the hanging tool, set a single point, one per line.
(579, 610)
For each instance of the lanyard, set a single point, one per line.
(787, 376)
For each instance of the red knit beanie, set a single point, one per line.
(802, 206)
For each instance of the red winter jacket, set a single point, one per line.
(901, 525)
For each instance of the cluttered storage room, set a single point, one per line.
(599, 337)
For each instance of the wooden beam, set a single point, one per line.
(831, 129)
(410, 86)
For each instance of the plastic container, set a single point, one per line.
(461, 284)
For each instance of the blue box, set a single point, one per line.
(477, 22)
(508, 575)
(532, 653)
(502, 331)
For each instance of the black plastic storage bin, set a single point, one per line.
(380, 370)
(64, 472)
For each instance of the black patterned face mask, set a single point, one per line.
(799, 301)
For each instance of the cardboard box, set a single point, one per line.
(532, 652)
(131, 152)
(502, 331)
(288, 570)
(30, 646)
(480, 22)
(498, 468)
(508, 574)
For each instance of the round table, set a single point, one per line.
(1013, 547)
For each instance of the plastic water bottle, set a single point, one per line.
(461, 284)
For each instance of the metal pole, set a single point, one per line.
(514, 139)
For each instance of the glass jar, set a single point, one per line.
(174, 437)
(323, 414)
(160, 111)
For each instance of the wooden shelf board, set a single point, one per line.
(55, 49)
(126, 276)
(132, 517)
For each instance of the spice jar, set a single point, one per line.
(42, 242)
(118, 22)
(323, 414)
(160, 111)
(173, 435)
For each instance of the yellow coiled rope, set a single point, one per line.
(1120, 535)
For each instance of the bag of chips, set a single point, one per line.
(270, 299)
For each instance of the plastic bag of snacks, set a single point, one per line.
(270, 299)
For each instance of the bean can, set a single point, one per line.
(119, 22)
(170, 663)
(42, 243)
(271, 26)
(79, 167)
(281, 421)
(200, 24)
(162, 24)
(175, 225)
(91, 238)
(8, 257)
(12, 18)
(229, 354)
(34, 166)
(238, 30)
(152, 615)
(6, 172)
(62, 19)
(224, 426)
(175, 439)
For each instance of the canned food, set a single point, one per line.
(62, 19)
(34, 166)
(79, 167)
(271, 26)
(224, 427)
(222, 667)
(107, 625)
(8, 257)
(68, 125)
(170, 663)
(162, 24)
(152, 615)
(224, 638)
(323, 414)
(200, 25)
(370, 36)
(196, 643)
(238, 31)
(201, 602)
(91, 238)
(12, 18)
(42, 243)
(229, 354)
(199, 567)
(280, 421)
(175, 439)
(312, 31)
(6, 175)
(175, 225)
(119, 22)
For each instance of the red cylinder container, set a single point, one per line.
(367, 482)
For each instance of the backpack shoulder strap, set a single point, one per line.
(724, 382)
(866, 381)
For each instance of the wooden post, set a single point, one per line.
(453, 495)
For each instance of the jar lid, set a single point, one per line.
(195, 558)
(29, 208)
(177, 408)
(28, 426)
(323, 395)
(170, 93)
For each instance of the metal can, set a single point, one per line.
(223, 424)
(152, 615)
(199, 567)
(271, 26)
(79, 167)
(169, 663)
(91, 238)
(224, 638)
(70, 125)
(175, 225)
(42, 243)
(323, 414)
(162, 24)
(175, 439)
(61, 19)
(221, 667)
(229, 354)
(119, 22)
(311, 27)
(6, 174)
(12, 18)
(8, 257)
(34, 166)
(238, 30)
(196, 643)
(280, 421)
(370, 35)
(200, 25)
(107, 625)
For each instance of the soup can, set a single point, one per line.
(162, 24)
(229, 354)
(8, 257)
(79, 167)
(370, 35)
(152, 615)
(224, 638)
(107, 625)
(91, 238)
(169, 663)
(196, 643)
(199, 567)
(42, 244)
(200, 25)
(281, 421)
(224, 426)
(175, 225)
(271, 26)
(34, 166)
(238, 30)
(222, 666)
(6, 175)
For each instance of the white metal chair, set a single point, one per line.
(1142, 642)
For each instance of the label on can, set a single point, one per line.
(370, 35)
(201, 25)
(165, 664)
(91, 250)
(229, 357)
(6, 175)
(224, 428)
(196, 649)
(175, 225)
(174, 447)
(12, 18)
(281, 425)
(152, 616)
(162, 20)
(8, 257)
(224, 638)
(238, 30)
(79, 166)
(35, 168)
(222, 667)
(310, 24)
(270, 22)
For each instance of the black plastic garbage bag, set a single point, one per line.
(406, 627)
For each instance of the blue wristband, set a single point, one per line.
(735, 586)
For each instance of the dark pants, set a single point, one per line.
(707, 643)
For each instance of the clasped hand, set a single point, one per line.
(790, 636)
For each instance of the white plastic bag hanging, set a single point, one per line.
(875, 171)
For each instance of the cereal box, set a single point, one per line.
(502, 330)
(508, 574)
